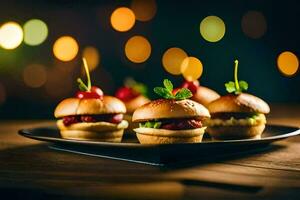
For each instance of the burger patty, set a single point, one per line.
(173, 124)
(181, 124)
(111, 118)
(229, 115)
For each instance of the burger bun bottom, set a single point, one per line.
(109, 136)
(235, 132)
(164, 136)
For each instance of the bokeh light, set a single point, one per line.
(192, 68)
(212, 28)
(35, 32)
(2, 94)
(35, 75)
(172, 60)
(59, 84)
(65, 48)
(254, 24)
(122, 19)
(11, 35)
(92, 56)
(138, 49)
(288, 63)
(144, 10)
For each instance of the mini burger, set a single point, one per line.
(91, 115)
(201, 94)
(237, 115)
(133, 95)
(174, 119)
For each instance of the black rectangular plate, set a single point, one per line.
(159, 154)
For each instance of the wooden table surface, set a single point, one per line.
(30, 170)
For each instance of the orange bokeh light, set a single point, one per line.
(65, 48)
(122, 19)
(138, 49)
(288, 63)
(192, 68)
(144, 10)
(172, 60)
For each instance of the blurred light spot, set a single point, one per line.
(58, 84)
(65, 48)
(144, 10)
(288, 63)
(191, 68)
(11, 35)
(35, 32)
(254, 24)
(2, 94)
(138, 49)
(92, 57)
(172, 60)
(35, 75)
(212, 28)
(122, 19)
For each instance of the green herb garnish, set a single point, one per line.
(82, 86)
(153, 124)
(136, 86)
(167, 91)
(236, 87)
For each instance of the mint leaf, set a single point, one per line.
(243, 85)
(168, 85)
(183, 93)
(163, 92)
(230, 87)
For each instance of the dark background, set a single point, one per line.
(176, 24)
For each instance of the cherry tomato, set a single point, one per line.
(126, 93)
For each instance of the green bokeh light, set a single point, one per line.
(212, 28)
(35, 32)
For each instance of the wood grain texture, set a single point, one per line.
(29, 170)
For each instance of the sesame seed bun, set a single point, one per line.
(167, 109)
(76, 106)
(243, 102)
(205, 95)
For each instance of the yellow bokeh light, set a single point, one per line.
(11, 35)
(212, 28)
(138, 49)
(144, 10)
(192, 68)
(35, 32)
(92, 57)
(122, 19)
(288, 63)
(254, 24)
(2, 94)
(172, 60)
(35, 75)
(65, 48)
